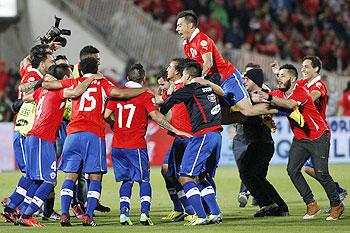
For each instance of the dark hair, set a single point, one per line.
(162, 74)
(190, 16)
(61, 57)
(193, 68)
(315, 62)
(59, 71)
(291, 69)
(89, 65)
(37, 58)
(136, 73)
(181, 65)
(252, 65)
(87, 51)
(39, 49)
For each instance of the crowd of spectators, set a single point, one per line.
(287, 29)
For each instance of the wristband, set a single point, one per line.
(38, 84)
(270, 98)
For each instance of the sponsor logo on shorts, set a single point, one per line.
(53, 175)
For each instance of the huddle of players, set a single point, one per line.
(191, 163)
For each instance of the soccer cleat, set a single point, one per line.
(102, 208)
(297, 117)
(197, 221)
(54, 217)
(146, 220)
(78, 211)
(29, 222)
(11, 217)
(242, 199)
(125, 220)
(87, 221)
(215, 218)
(172, 215)
(336, 212)
(180, 218)
(189, 217)
(65, 221)
(312, 210)
(38, 213)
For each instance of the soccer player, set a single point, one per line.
(202, 154)
(129, 153)
(312, 140)
(179, 119)
(84, 149)
(40, 153)
(199, 47)
(33, 67)
(310, 69)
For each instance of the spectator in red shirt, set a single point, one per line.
(4, 77)
(344, 103)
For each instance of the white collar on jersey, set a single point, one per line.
(315, 80)
(132, 84)
(287, 96)
(194, 33)
(30, 68)
(178, 81)
(88, 75)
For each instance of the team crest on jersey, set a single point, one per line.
(212, 98)
(53, 175)
(204, 44)
(319, 85)
(31, 79)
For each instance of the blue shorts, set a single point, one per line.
(18, 147)
(176, 154)
(166, 158)
(201, 156)
(130, 164)
(308, 163)
(62, 131)
(234, 89)
(41, 159)
(84, 152)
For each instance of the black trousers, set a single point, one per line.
(318, 150)
(253, 167)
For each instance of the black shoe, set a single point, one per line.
(102, 208)
(277, 212)
(265, 210)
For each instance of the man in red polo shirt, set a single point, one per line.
(312, 140)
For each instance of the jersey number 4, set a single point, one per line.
(130, 116)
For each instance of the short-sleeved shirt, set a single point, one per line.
(49, 113)
(314, 126)
(179, 115)
(345, 103)
(200, 44)
(30, 74)
(88, 109)
(131, 121)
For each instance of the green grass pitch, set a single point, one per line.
(235, 219)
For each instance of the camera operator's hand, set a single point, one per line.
(55, 45)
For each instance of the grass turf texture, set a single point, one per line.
(235, 219)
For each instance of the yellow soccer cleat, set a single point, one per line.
(172, 215)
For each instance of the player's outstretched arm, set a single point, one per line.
(78, 90)
(161, 121)
(28, 97)
(207, 62)
(216, 88)
(126, 93)
(288, 104)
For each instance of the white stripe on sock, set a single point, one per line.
(124, 199)
(208, 190)
(21, 191)
(93, 194)
(193, 191)
(181, 193)
(145, 198)
(37, 201)
(66, 192)
(27, 200)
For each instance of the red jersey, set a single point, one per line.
(30, 74)
(88, 109)
(345, 103)
(318, 85)
(200, 44)
(130, 124)
(179, 115)
(314, 126)
(49, 112)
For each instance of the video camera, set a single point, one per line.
(54, 34)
